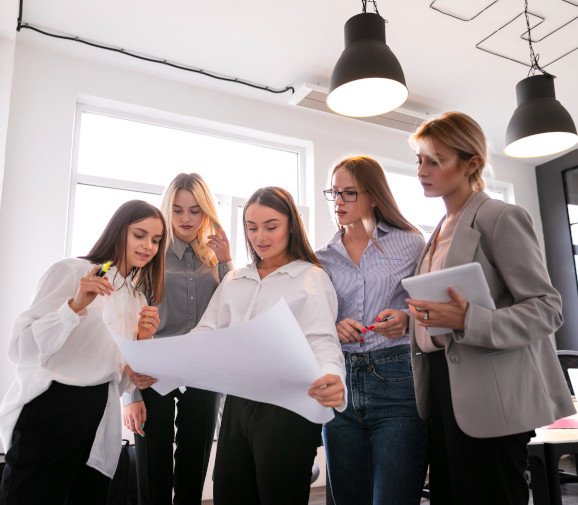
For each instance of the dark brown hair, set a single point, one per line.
(281, 200)
(111, 246)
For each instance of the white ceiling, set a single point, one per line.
(286, 43)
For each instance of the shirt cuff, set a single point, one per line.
(67, 315)
(132, 397)
(224, 268)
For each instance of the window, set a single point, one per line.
(120, 158)
(571, 190)
(425, 213)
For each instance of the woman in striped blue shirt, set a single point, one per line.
(376, 447)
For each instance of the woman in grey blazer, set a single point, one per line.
(495, 377)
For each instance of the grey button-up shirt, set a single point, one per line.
(189, 286)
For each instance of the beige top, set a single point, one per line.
(433, 261)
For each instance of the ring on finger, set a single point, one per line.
(426, 315)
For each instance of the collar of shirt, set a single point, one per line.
(117, 280)
(336, 242)
(178, 247)
(294, 268)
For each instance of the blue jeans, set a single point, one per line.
(376, 448)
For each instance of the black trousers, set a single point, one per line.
(264, 455)
(52, 439)
(195, 422)
(467, 470)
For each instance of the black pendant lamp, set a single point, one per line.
(540, 125)
(367, 79)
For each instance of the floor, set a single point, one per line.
(569, 491)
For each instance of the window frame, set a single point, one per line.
(302, 149)
(401, 168)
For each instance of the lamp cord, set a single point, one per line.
(534, 65)
(364, 4)
(152, 59)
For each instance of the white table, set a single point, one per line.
(544, 453)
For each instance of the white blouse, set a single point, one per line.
(309, 293)
(52, 342)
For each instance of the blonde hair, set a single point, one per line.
(210, 224)
(372, 186)
(459, 132)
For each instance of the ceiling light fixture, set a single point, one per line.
(540, 125)
(367, 79)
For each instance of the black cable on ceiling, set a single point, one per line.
(21, 25)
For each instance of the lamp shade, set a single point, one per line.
(367, 79)
(540, 124)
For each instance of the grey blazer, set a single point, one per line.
(504, 375)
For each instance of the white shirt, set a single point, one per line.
(309, 293)
(52, 342)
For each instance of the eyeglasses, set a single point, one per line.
(346, 196)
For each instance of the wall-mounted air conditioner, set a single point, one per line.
(312, 96)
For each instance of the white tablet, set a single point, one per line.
(468, 280)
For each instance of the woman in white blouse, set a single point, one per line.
(60, 420)
(265, 452)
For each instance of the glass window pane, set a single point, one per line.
(425, 213)
(242, 256)
(88, 224)
(422, 212)
(124, 149)
(496, 194)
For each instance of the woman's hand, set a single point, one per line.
(390, 323)
(134, 417)
(139, 380)
(451, 314)
(219, 243)
(350, 331)
(328, 391)
(89, 288)
(148, 322)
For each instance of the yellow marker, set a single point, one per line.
(103, 269)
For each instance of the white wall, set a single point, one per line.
(7, 47)
(45, 90)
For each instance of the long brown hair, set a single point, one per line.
(196, 185)
(372, 186)
(111, 246)
(459, 132)
(280, 199)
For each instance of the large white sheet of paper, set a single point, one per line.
(266, 359)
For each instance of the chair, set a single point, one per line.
(568, 359)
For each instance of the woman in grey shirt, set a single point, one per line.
(197, 258)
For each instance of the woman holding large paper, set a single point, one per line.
(376, 447)
(486, 384)
(265, 452)
(197, 258)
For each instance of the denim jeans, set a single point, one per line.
(376, 448)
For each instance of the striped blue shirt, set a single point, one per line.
(365, 290)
